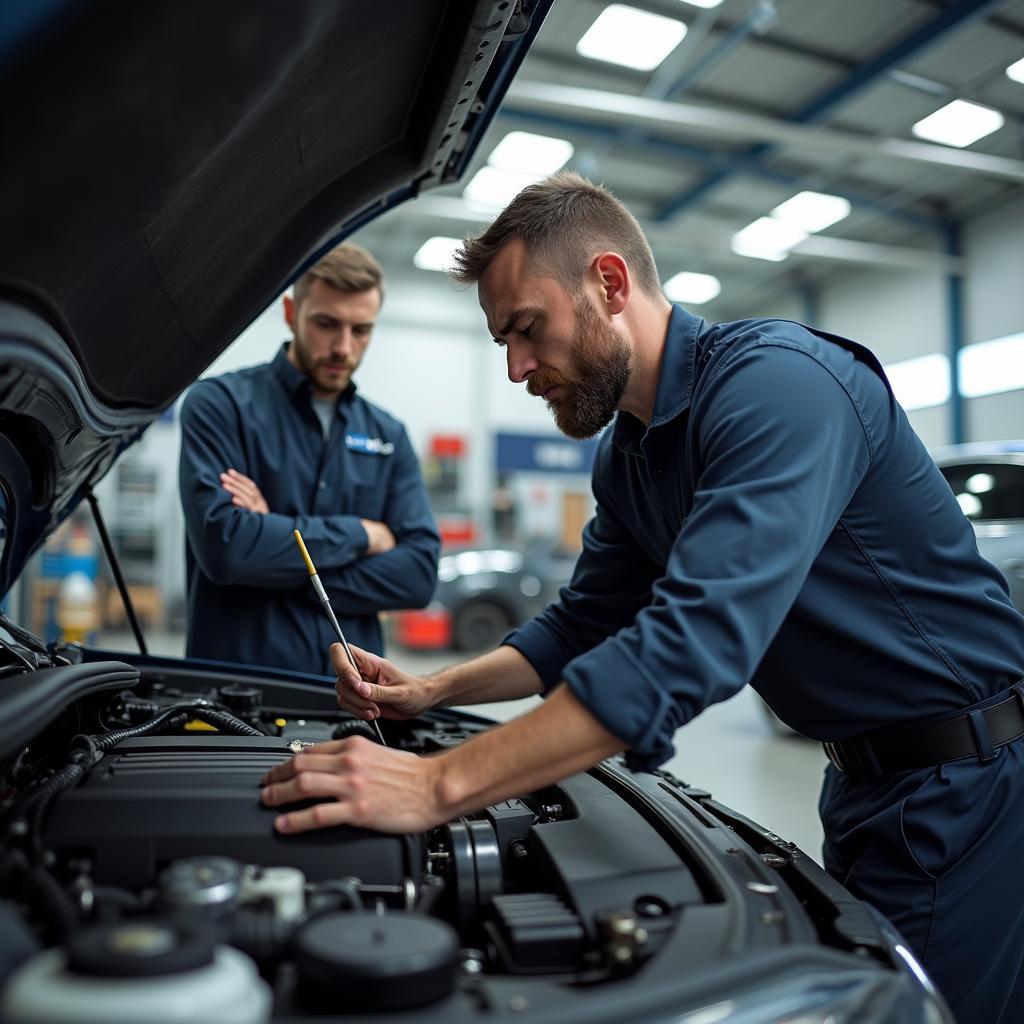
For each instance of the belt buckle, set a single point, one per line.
(1018, 691)
(833, 754)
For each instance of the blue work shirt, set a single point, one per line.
(250, 599)
(778, 523)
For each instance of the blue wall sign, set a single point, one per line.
(543, 453)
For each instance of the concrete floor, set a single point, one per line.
(730, 750)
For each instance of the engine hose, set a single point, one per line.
(51, 901)
(212, 716)
(431, 889)
(226, 722)
(114, 897)
(36, 809)
(40, 795)
(353, 727)
(347, 888)
(261, 935)
(164, 720)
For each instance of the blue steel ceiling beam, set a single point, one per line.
(720, 162)
(955, 331)
(684, 119)
(957, 14)
(778, 41)
(757, 23)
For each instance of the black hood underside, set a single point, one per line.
(170, 165)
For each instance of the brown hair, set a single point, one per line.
(348, 267)
(565, 221)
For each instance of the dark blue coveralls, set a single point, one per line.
(780, 523)
(249, 595)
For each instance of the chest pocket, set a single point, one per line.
(368, 499)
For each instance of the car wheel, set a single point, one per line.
(480, 625)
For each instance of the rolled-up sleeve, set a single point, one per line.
(783, 448)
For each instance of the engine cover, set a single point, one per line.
(155, 799)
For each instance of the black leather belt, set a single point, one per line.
(978, 731)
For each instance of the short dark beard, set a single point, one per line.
(600, 362)
(306, 365)
(309, 367)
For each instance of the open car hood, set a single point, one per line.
(171, 167)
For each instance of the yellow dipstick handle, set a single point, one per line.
(305, 553)
(325, 603)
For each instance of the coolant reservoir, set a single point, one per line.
(137, 971)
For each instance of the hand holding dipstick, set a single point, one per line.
(325, 602)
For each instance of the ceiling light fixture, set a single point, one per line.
(535, 154)
(812, 211)
(767, 239)
(492, 188)
(436, 253)
(693, 288)
(636, 39)
(959, 123)
(1016, 71)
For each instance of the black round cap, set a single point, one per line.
(239, 697)
(137, 949)
(360, 961)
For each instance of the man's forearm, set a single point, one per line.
(556, 740)
(503, 674)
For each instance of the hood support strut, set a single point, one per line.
(115, 567)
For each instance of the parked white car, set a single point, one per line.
(988, 481)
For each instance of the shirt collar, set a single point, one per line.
(675, 381)
(296, 383)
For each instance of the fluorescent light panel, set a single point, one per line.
(534, 154)
(706, 4)
(991, 367)
(812, 211)
(959, 123)
(1016, 71)
(436, 253)
(767, 239)
(922, 382)
(634, 38)
(693, 288)
(493, 188)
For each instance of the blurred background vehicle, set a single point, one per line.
(988, 481)
(484, 592)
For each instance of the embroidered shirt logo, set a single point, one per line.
(369, 445)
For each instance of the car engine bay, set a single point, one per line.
(141, 878)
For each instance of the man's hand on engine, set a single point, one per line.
(379, 688)
(368, 786)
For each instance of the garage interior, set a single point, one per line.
(907, 239)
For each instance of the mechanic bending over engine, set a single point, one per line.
(291, 445)
(765, 514)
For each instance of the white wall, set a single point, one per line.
(994, 307)
(902, 315)
(897, 316)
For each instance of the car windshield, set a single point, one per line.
(988, 490)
